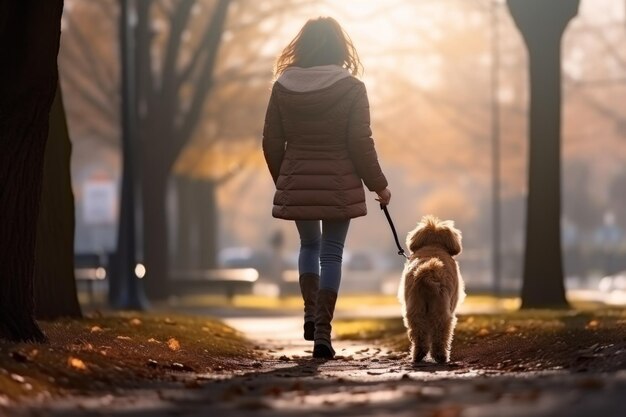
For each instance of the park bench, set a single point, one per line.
(230, 281)
(89, 269)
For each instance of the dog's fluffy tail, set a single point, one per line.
(429, 284)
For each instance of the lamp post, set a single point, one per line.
(495, 147)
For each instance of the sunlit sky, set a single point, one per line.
(396, 34)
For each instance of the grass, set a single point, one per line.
(290, 302)
(580, 340)
(345, 302)
(104, 353)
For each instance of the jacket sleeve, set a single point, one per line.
(273, 138)
(361, 144)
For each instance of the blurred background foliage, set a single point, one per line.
(428, 68)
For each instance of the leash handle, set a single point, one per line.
(393, 230)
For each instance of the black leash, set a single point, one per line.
(393, 230)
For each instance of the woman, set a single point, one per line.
(318, 148)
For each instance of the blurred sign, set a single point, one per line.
(99, 202)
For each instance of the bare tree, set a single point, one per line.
(542, 25)
(185, 50)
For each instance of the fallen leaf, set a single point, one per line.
(123, 338)
(76, 363)
(18, 378)
(173, 344)
(135, 322)
(153, 340)
(375, 373)
(96, 329)
(181, 367)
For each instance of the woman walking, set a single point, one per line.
(318, 148)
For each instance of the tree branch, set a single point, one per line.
(178, 23)
(213, 36)
(102, 107)
(145, 80)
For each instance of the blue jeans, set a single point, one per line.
(322, 249)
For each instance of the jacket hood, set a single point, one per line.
(303, 80)
(329, 90)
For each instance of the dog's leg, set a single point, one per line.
(442, 339)
(419, 343)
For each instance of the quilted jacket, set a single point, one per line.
(319, 151)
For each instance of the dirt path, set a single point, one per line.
(365, 380)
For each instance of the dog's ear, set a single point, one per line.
(450, 237)
(414, 240)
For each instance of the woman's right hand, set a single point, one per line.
(384, 196)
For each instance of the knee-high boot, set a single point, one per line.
(309, 287)
(325, 309)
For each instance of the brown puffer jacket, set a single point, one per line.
(318, 148)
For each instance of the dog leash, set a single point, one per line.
(393, 230)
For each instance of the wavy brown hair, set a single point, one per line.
(321, 41)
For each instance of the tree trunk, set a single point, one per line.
(207, 223)
(197, 225)
(185, 225)
(542, 24)
(156, 256)
(55, 283)
(29, 44)
(125, 289)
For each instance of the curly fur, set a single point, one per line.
(431, 288)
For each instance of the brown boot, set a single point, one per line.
(309, 286)
(326, 300)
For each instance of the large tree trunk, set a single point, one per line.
(29, 44)
(55, 284)
(125, 290)
(156, 257)
(542, 24)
